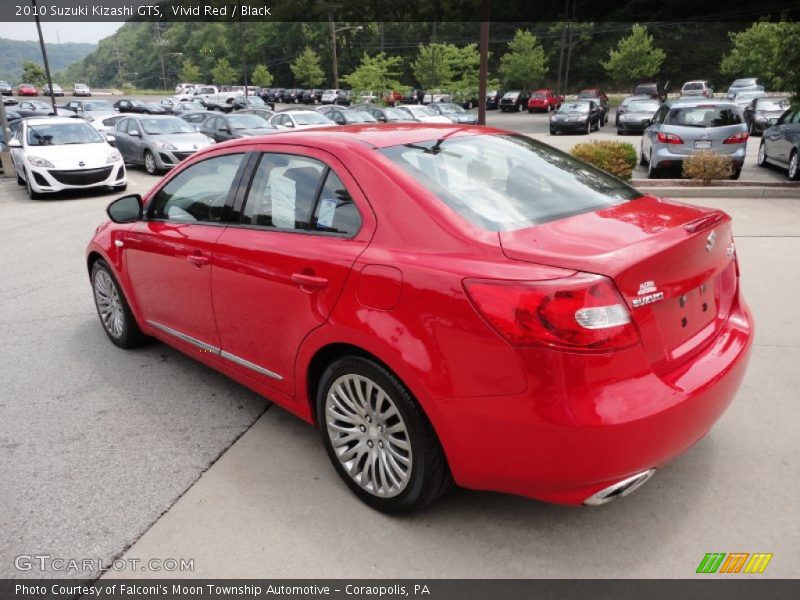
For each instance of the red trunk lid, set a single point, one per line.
(673, 264)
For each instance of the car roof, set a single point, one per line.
(695, 102)
(57, 120)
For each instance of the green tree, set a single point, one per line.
(261, 76)
(376, 73)
(189, 71)
(635, 57)
(764, 50)
(223, 73)
(306, 69)
(525, 62)
(33, 73)
(433, 67)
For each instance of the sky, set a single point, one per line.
(66, 32)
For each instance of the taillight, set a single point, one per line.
(669, 138)
(583, 312)
(737, 138)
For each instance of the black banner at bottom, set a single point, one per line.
(711, 588)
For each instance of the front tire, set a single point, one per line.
(761, 159)
(113, 309)
(794, 166)
(33, 195)
(150, 163)
(377, 437)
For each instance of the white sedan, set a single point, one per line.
(291, 120)
(424, 114)
(57, 154)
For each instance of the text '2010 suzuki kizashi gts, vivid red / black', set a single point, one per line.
(446, 304)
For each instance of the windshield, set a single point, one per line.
(581, 107)
(165, 126)
(39, 105)
(424, 111)
(136, 102)
(311, 118)
(359, 116)
(63, 134)
(743, 82)
(248, 122)
(772, 104)
(98, 105)
(588, 94)
(704, 116)
(643, 106)
(511, 95)
(508, 182)
(644, 90)
(695, 85)
(539, 95)
(451, 108)
(395, 114)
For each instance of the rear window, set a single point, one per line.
(693, 86)
(645, 89)
(704, 116)
(508, 182)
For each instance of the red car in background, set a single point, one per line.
(26, 89)
(444, 303)
(391, 98)
(544, 100)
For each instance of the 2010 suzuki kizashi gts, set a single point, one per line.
(446, 304)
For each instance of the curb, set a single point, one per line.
(720, 192)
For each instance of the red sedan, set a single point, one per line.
(26, 89)
(446, 304)
(546, 100)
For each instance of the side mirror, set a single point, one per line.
(772, 121)
(340, 121)
(127, 209)
(646, 122)
(224, 130)
(14, 144)
(135, 133)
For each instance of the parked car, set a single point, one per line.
(196, 119)
(392, 97)
(38, 108)
(455, 113)
(579, 116)
(780, 144)
(348, 116)
(108, 125)
(293, 96)
(81, 89)
(547, 360)
(743, 99)
(682, 128)
(264, 113)
(653, 90)
(514, 101)
(699, 87)
(6, 89)
(342, 97)
(159, 142)
(544, 100)
(434, 97)
(95, 111)
(424, 114)
(57, 90)
(222, 128)
(493, 98)
(600, 98)
(413, 96)
(762, 111)
(9, 101)
(367, 97)
(251, 101)
(387, 114)
(746, 84)
(277, 94)
(58, 154)
(186, 88)
(26, 89)
(180, 108)
(623, 106)
(637, 116)
(312, 96)
(300, 119)
(137, 106)
(466, 99)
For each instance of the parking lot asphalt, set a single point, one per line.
(103, 449)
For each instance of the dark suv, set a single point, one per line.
(654, 90)
(514, 101)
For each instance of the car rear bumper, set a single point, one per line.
(663, 156)
(45, 181)
(584, 425)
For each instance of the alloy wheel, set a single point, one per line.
(794, 167)
(762, 155)
(368, 435)
(149, 163)
(109, 304)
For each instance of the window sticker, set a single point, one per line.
(327, 208)
(283, 201)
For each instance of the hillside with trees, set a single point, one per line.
(13, 53)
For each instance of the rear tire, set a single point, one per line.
(736, 174)
(394, 461)
(652, 172)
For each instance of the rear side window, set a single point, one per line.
(335, 211)
(702, 116)
(508, 182)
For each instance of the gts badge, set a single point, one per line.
(647, 294)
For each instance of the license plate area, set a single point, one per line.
(702, 144)
(696, 308)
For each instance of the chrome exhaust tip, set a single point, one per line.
(619, 489)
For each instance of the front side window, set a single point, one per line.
(198, 193)
(508, 182)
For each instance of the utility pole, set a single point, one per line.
(44, 57)
(559, 89)
(483, 69)
(244, 50)
(569, 50)
(159, 43)
(118, 54)
(333, 50)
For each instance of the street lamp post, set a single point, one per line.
(334, 31)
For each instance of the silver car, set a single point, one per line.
(747, 84)
(158, 142)
(679, 129)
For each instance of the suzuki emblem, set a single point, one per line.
(711, 241)
(81, 164)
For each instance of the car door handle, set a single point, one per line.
(198, 260)
(306, 280)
